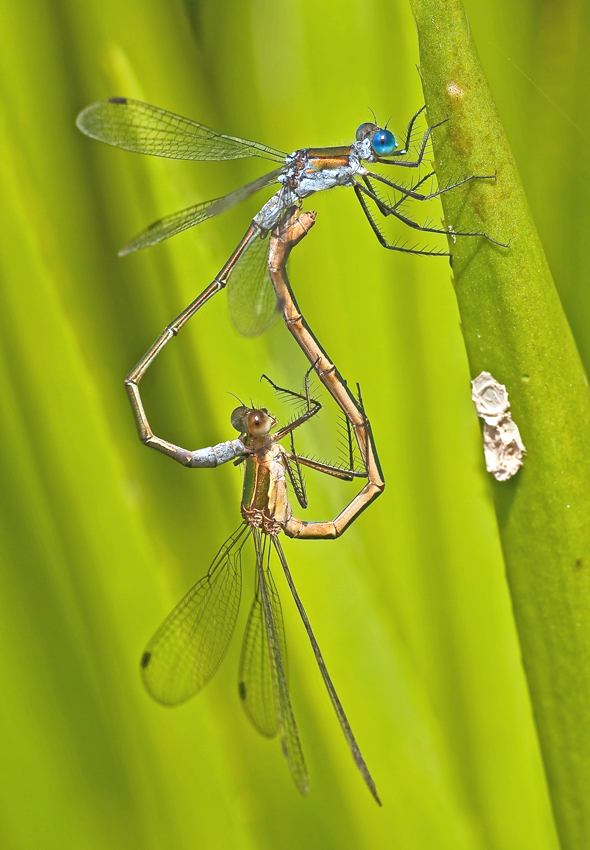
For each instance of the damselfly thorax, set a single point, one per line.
(265, 501)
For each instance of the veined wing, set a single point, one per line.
(255, 675)
(170, 225)
(271, 608)
(342, 718)
(140, 127)
(190, 644)
(251, 298)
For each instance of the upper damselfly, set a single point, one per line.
(140, 127)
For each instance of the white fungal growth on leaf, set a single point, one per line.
(502, 443)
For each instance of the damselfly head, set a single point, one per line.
(383, 142)
(256, 422)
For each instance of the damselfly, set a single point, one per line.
(187, 649)
(139, 127)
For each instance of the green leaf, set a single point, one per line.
(514, 327)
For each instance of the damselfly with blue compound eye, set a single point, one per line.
(139, 127)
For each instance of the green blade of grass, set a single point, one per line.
(515, 328)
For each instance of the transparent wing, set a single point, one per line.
(140, 127)
(251, 297)
(255, 676)
(271, 608)
(337, 705)
(170, 225)
(190, 644)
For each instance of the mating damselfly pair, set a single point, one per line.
(187, 649)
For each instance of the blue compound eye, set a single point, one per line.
(383, 143)
(365, 130)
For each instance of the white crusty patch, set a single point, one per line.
(455, 91)
(502, 443)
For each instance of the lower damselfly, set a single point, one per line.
(188, 648)
(137, 126)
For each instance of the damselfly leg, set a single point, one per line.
(387, 209)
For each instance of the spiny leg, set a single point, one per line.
(392, 210)
(328, 468)
(293, 460)
(382, 206)
(406, 163)
(410, 191)
(415, 226)
(344, 473)
(424, 252)
(409, 132)
(313, 406)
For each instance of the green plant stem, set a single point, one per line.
(515, 328)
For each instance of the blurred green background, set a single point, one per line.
(100, 538)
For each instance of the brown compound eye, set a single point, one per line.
(239, 418)
(259, 422)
